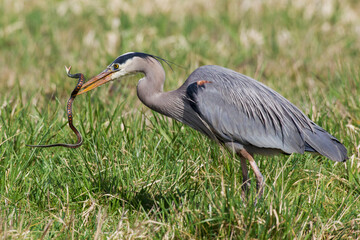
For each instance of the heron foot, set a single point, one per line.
(245, 189)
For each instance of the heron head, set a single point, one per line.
(120, 67)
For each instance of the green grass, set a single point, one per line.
(142, 175)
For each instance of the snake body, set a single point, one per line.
(69, 114)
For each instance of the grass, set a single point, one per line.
(141, 175)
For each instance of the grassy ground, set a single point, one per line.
(141, 175)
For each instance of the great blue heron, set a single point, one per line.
(236, 111)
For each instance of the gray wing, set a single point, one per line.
(240, 109)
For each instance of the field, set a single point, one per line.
(141, 175)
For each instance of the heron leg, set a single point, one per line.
(259, 176)
(246, 181)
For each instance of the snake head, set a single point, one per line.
(67, 69)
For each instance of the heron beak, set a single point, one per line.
(98, 80)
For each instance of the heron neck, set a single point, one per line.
(150, 92)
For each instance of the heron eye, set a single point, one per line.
(116, 66)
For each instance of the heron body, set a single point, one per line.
(238, 112)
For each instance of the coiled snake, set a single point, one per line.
(69, 113)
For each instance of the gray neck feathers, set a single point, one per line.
(150, 89)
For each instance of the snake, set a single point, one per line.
(77, 88)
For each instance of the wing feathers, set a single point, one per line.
(239, 108)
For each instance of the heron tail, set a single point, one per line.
(327, 145)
